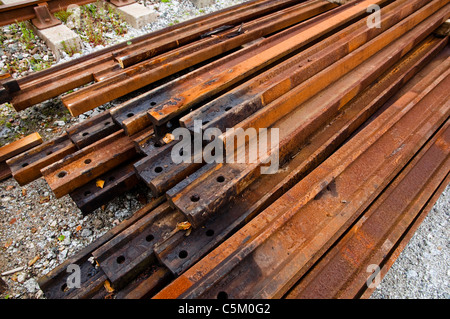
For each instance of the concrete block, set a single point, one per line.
(202, 3)
(60, 38)
(137, 15)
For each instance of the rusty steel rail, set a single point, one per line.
(92, 278)
(301, 121)
(27, 166)
(406, 237)
(317, 104)
(15, 148)
(188, 91)
(342, 272)
(260, 194)
(57, 80)
(162, 66)
(88, 163)
(178, 97)
(132, 115)
(419, 20)
(268, 255)
(237, 104)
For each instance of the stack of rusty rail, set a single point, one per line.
(362, 113)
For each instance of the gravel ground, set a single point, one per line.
(38, 231)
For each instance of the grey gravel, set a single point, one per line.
(38, 232)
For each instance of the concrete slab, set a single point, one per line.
(202, 3)
(10, 1)
(60, 38)
(137, 15)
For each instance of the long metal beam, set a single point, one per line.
(269, 254)
(342, 272)
(59, 79)
(145, 73)
(302, 120)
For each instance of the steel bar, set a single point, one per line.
(161, 173)
(172, 99)
(24, 10)
(234, 106)
(252, 59)
(268, 255)
(179, 252)
(232, 35)
(147, 287)
(92, 130)
(54, 284)
(14, 148)
(117, 181)
(148, 72)
(267, 188)
(209, 25)
(59, 79)
(88, 163)
(341, 273)
(131, 251)
(394, 254)
(5, 171)
(27, 166)
(318, 82)
(397, 69)
(295, 128)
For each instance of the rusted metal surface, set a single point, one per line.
(128, 253)
(400, 246)
(388, 83)
(263, 191)
(211, 24)
(121, 3)
(175, 98)
(146, 287)
(54, 284)
(236, 34)
(27, 166)
(267, 188)
(59, 79)
(237, 104)
(148, 72)
(297, 126)
(160, 173)
(422, 22)
(352, 115)
(14, 148)
(230, 70)
(92, 130)
(5, 171)
(88, 163)
(25, 10)
(341, 273)
(117, 181)
(44, 19)
(269, 254)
